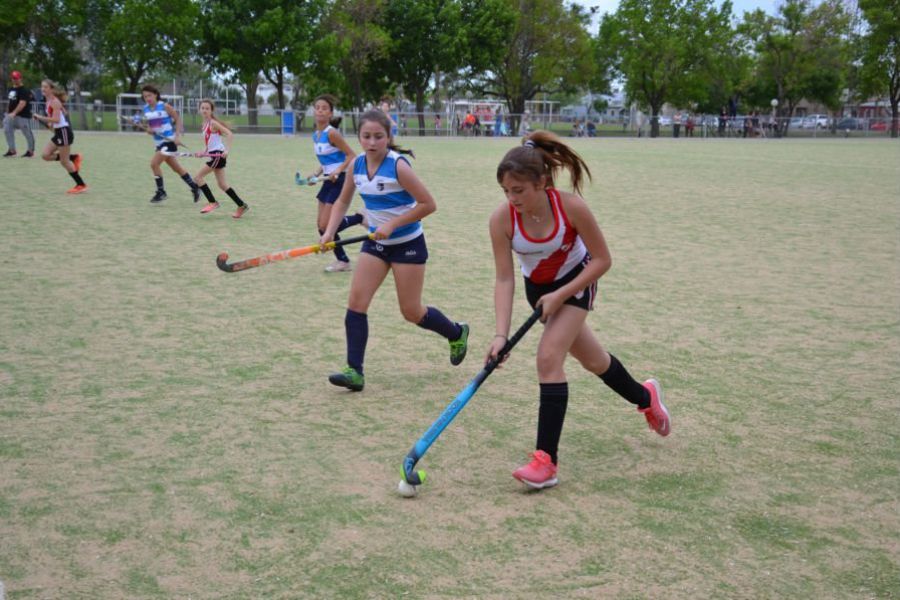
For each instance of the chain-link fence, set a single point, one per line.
(109, 117)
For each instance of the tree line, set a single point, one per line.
(689, 53)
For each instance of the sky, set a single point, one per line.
(739, 6)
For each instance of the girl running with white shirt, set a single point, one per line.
(59, 146)
(213, 133)
(562, 254)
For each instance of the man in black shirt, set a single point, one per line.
(18, 116)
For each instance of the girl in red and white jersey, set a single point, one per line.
(562, 254)
(218, 143)
(59, 146)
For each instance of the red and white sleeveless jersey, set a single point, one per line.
(212, 138)
(547, 260)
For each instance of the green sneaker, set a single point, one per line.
(458, 347)
(349, 378)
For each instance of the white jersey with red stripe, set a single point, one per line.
(212, 138)
(549, 259)
(63, 121)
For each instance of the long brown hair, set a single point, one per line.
(543, 153)
(149, 87)
(382, 119)
(58, 91)
(212, 116)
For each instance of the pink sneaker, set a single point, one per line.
(240, 211)
(540, 473)
(209, 207)
(656, 414)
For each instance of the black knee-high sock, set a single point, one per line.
(339, 252)
(159, 182)
(207, 193)
(621, 382)
(350, 221)
(434, 320)
(78, 180)
(357, 327)
(187, 179)
(551, 415)
(233, 195)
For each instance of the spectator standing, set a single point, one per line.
(676, 125)
(18, 116)
(689, 126)
(723, 120)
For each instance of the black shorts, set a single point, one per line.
(330, 191)
(167, 147)
(64, 136)
(413, 252)
(217, 161)
(583, 299)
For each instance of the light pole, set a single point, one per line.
(775, 127)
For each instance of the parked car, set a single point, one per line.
(815, 122)
(851, 124)
(796, 123)
(880, 125)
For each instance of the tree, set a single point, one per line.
(344, 56)
(139, 37)
(880, 54)
(802, 51)
(548, 50)
(424, 38)
(665, 49)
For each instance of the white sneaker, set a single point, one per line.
(338, 266)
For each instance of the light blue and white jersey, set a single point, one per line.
(330, 157)
(385, 198)
(159, 122)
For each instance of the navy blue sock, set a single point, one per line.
(159, 183)
(551, 415)
(357, 326)
(350, 221)
(621, 382)
(187, 179)
(434, 320)
(338, 250)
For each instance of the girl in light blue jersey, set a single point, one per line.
(165, 126)
(334, 155)
(396, 201)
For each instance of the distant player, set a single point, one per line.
(59, 146)
(213, 132)
(334, 156)
(562, 254)
(164, 124)
(396, 202)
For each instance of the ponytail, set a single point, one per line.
(542, 153)
(58, 91)
(212, 115)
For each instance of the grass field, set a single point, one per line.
(167, 430)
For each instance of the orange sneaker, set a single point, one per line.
(540, 473)
(209, 207)
(240, 211)
(78, 189)
(657, 414)
(77, 162)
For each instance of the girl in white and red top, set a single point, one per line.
(218, 143)
(562, 254)
(59, 146)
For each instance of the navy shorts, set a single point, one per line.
(64, 136)
(216, 162)
(167, 147)
(583, 299)
(330, 190)
(413, 252)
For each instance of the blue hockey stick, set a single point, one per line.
(421, 447)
